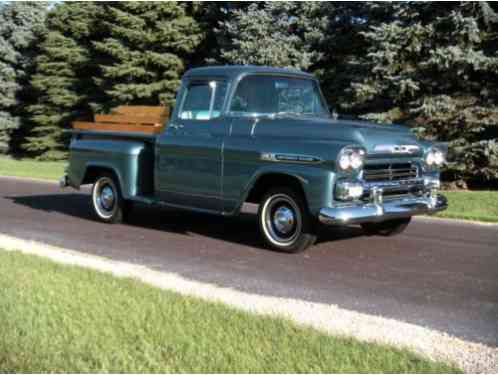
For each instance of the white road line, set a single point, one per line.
(432, 344)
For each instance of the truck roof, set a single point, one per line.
(233, 71)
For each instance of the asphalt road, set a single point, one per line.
(437, 274)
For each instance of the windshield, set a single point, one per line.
(273, 95)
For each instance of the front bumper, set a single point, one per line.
(378, 210)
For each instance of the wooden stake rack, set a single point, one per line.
(128, 119)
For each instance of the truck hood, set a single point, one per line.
(367, 134)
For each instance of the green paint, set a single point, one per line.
(212, 164)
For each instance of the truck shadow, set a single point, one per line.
(242, 230)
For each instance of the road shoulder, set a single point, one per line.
(435, 345)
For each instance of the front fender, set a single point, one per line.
(316, 182)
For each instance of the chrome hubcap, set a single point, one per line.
(283, 219)
(107, 197)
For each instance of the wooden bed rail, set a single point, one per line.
(128, 119)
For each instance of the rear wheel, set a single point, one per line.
(108, 203)
(387, 228)
(285, 222)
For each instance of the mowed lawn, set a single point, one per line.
(472, 205)
(46, 170)
(57, 318)
(469, 205)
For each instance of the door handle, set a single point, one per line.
(176, 126)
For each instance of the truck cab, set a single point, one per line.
(266, 136)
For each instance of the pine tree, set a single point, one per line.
(436, 68)
(344, 49)
(146, 51)
(63, 81)
(320, 37)
(21, 26)
(209, 16)
(283, 34)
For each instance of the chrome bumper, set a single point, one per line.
(379, 210)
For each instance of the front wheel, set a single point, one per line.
(108, 203)
(387, 228)
(284, 221)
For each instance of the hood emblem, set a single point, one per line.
(397, 149)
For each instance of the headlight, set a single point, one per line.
(356, 160)
(351, 158)
(434, 157)
(344, 161)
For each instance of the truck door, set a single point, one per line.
(189, 153)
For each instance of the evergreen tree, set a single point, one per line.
(146, 51)
(436, 68)
(284, 34)
(21, 25)
(320, 37)
(209, 16)
(344, 49)
(63, 79)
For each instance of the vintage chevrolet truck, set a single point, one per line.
(262, 135)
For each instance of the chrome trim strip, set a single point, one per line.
(394, 184)
(290, 158)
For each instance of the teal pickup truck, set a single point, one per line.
(262, 135)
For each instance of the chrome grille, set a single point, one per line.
(390, 172)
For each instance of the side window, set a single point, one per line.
(203, 100)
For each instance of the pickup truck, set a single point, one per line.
(266, 136)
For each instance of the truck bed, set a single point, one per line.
(128, 155)
(102, 134)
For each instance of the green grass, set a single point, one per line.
(57, 318)
(47, 170)
(472, 205)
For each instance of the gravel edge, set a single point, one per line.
(469, 356)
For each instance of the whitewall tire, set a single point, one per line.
(285, 222)
(107, 201)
